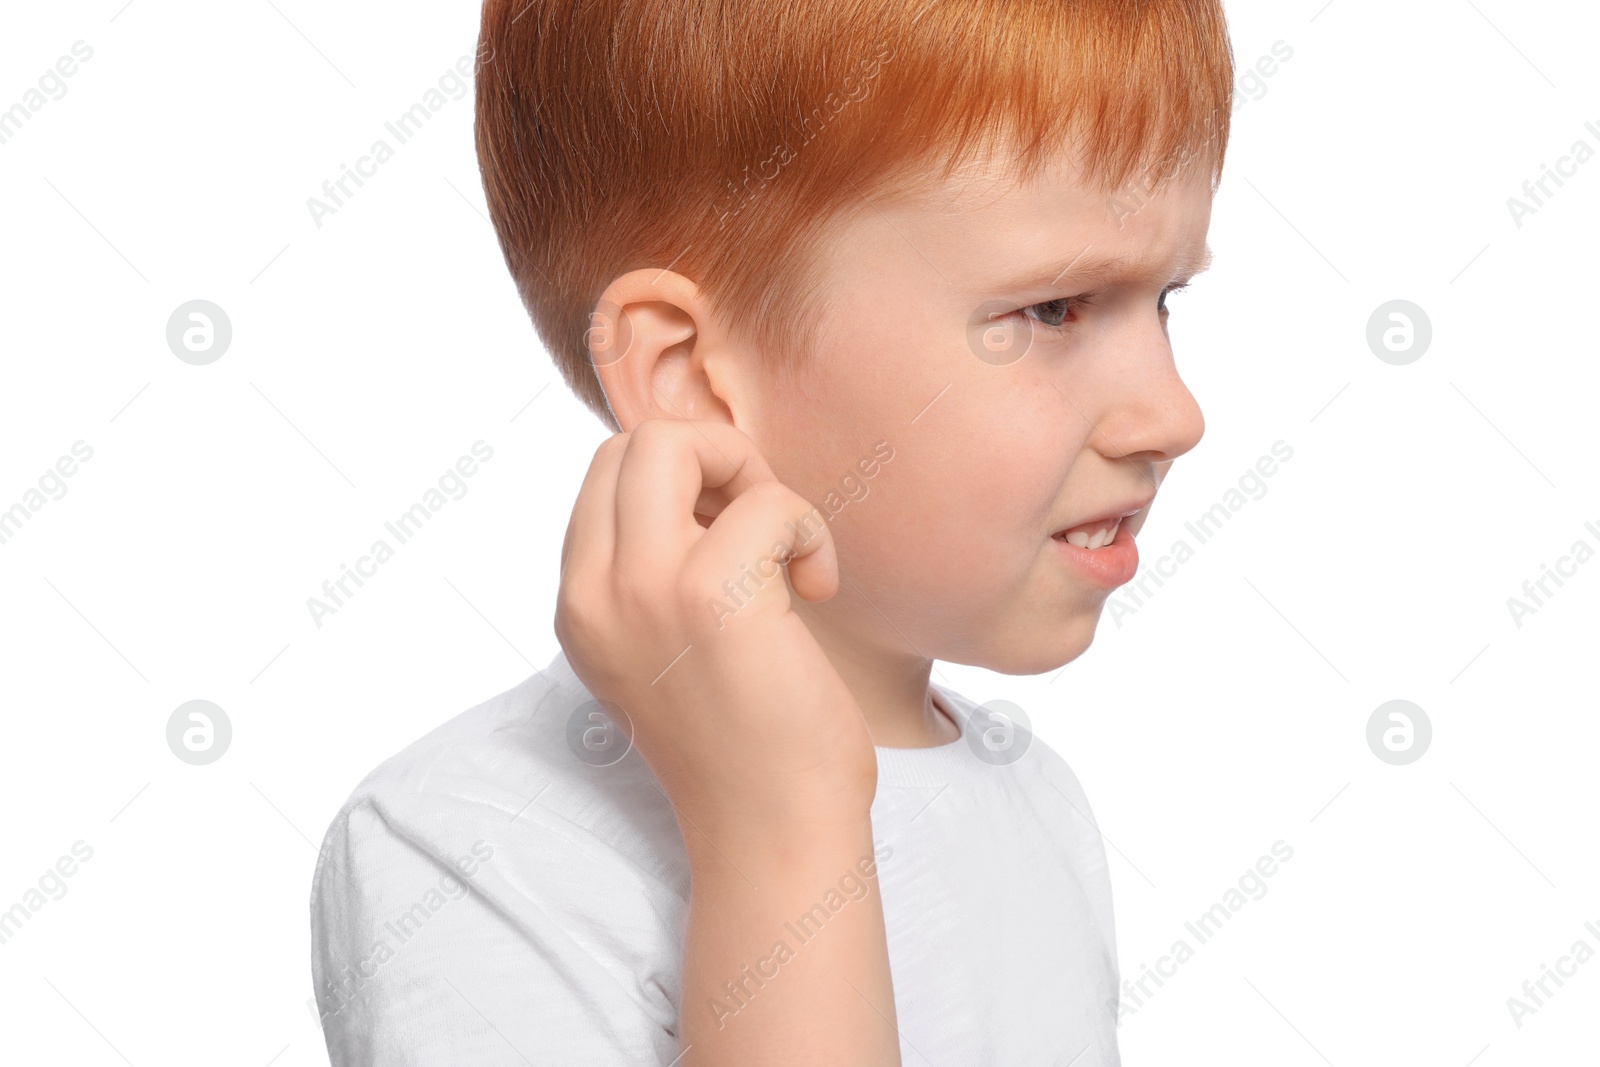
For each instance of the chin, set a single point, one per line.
(1031, 654)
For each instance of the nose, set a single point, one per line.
(1150, 415)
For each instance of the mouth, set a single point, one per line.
(1102, 550)
(1090, 535)
(1100, 531)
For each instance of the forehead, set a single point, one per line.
(986, 221)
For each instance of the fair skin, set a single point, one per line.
(760, 725)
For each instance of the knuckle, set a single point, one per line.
(700, 582)
(578, 615)
(639, 602)
(758, 496)
(772, 495)
(610, 451)
(652, 432)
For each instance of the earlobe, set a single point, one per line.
(648, 338)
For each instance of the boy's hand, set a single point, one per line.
(736, 709)
(755, 739)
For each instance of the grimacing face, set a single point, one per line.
(1007, 425)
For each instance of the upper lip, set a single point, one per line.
(1111, 514)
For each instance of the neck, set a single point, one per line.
(891, 688)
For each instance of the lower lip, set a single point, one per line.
(1109, 565)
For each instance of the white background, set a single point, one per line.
(1227, 713)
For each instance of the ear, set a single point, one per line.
(650, 337)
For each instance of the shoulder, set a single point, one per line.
(489, 859)
(526, 757)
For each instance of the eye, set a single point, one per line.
(1058, 314)
(1051, 313)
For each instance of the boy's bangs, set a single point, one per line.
(1139, 89)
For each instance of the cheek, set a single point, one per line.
(980, 455)
(1025, 444)
(958, 508)
(851, 406)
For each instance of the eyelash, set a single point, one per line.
(1076, 302)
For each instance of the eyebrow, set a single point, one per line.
(1082, 269)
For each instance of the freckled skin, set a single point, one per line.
(949, 555)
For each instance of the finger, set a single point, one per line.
(745, 550)
(667, 472)
(590, 541)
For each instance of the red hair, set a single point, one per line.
(719, 139)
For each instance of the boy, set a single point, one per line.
(874, 296)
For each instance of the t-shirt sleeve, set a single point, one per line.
(448, 931)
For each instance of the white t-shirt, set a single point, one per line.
(489, 897)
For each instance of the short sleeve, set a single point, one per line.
(449, 931)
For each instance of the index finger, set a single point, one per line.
(591, 531)
(667, 468)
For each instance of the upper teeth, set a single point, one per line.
(1098, 538)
